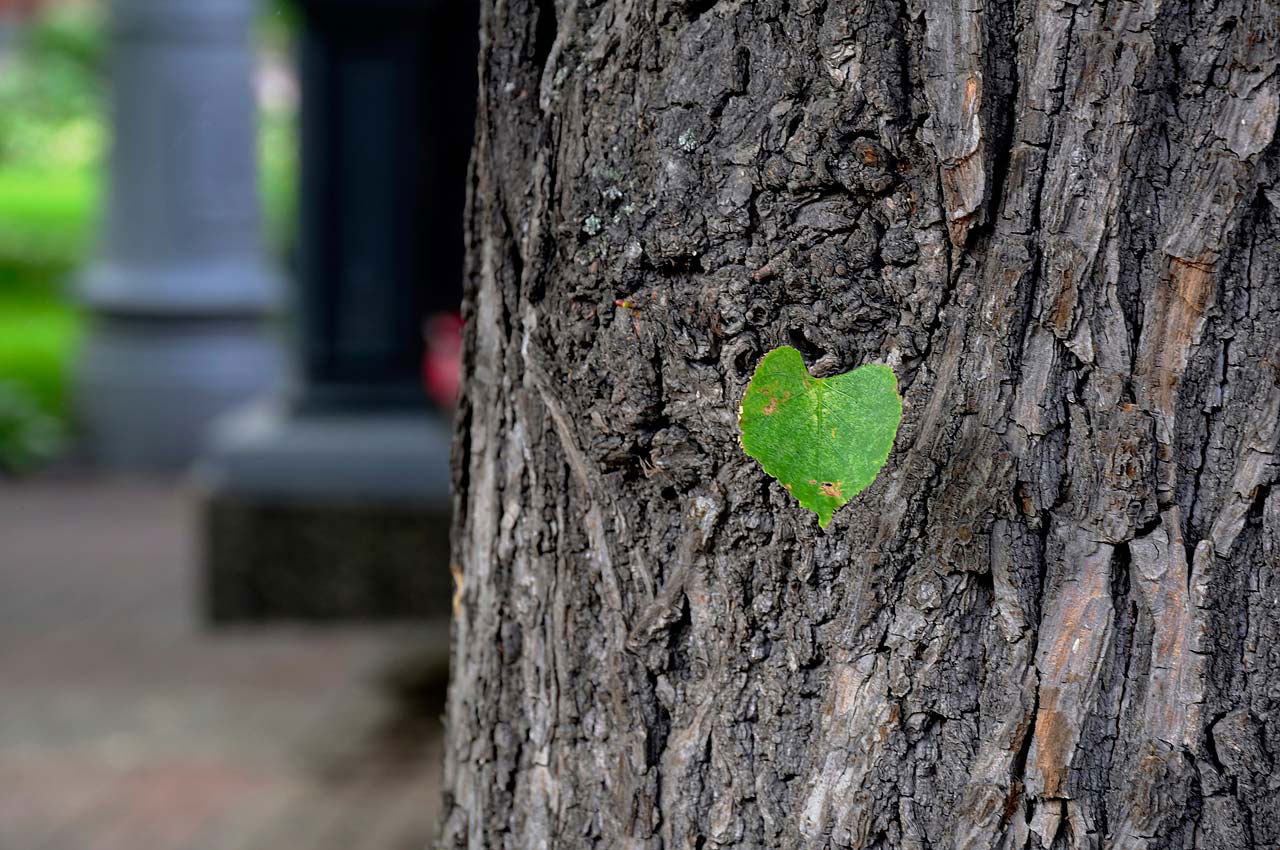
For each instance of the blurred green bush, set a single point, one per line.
(52, 138)
(28, 434)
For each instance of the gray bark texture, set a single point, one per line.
(1054, 620)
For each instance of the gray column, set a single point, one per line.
(180, 291)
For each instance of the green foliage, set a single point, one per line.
(51, 93)
(276, 33)
(28, 435)
(39, 335)
(278, 153)
(278, 24)
(824, 439)
(52, 137)
(46, 219)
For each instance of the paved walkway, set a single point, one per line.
(124, 723)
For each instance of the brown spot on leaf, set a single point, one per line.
(770, 408)
(831, 488)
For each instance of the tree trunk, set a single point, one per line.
(1053, 621)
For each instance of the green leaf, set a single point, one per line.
(824, 439)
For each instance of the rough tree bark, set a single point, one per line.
(1053, 621)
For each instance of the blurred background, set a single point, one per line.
(230, 271)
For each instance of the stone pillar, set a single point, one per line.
(180, 290)
(334, 500)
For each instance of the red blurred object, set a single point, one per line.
(442, 360)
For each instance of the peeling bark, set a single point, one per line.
(1054, 621)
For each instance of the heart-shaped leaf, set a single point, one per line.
(824, 439)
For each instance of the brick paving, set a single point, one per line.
(125, 724)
